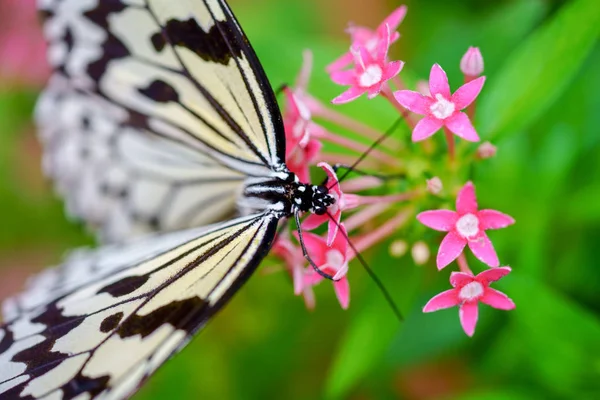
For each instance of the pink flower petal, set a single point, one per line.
(460, 279)
(309, 297)
(392, 69)
(497, 299)
(446, 299)
(383, 44)
(438, 82)
(374, 90)
(460, 124)
(425, 128)
(311, 278)
(340, 242)
(360, 35)
(468, 313)
(333, 227)
(344, 60)
(342, 291)
(484, 250)
(466, 202)
(413, 101)
(315, 246)
(492, 219)
(313, 221)
(351, 94)
(298, 279)
(343, 77)
(492, 275)
(440, 220)
(467, 93)
(395, 18)
(450, 248)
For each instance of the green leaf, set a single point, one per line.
(538, 72)
(373, 328)
(561, 338)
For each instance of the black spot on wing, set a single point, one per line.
(177, 313)
(83, 384)
(7, 340)
(213, 45)
(158, 41)
(100, 14)
(40, 357)
(124, 286)
(111, 322)
(160, 91)
(112, 47)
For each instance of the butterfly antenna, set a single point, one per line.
(280, 89)
(372, 274)
(305, 252)
(373, 145)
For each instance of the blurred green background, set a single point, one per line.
(540, 106)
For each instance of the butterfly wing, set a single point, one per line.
(171, 71)
(123, 180)
(105, 333)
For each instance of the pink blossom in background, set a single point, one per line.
(466, 225)
(368, 38)
(442, 109)
(370, 72)
(22, 47)
(343, 201)
(467, 292)
(333, 260)
(301, 149)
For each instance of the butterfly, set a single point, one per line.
(158, 117)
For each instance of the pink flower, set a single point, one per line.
(333, 260)
(467, 292)
(301, 149)
(465, 226)
(471, 64)
(370, 71)
(22, 49)
(441, 108)
(369, 39)
(342, 202)
(294, 260)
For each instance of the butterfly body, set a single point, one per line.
(284, 195)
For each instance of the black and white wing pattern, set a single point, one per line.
(153, 99)
(123, 180)
(103, 334)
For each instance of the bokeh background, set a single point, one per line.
(540, 106)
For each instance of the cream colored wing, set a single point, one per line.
(182, 85)
(104, 334)
(123, 180)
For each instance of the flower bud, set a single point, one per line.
(398, 248)
(486, 150)
(420, 253)
(471, 63)
(434, 185)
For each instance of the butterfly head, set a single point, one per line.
(313, 198)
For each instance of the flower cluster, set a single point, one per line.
(366, 69)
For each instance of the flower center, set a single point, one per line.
(442, 108)
(335, 258)
(471, 291)
(371, 76)
(467, 225)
